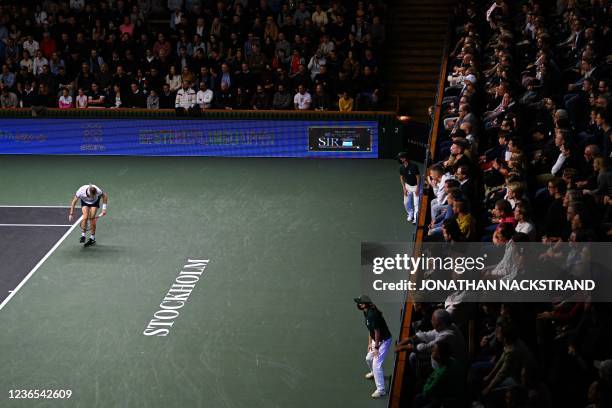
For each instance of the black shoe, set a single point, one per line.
(90, 242)
(82, 240)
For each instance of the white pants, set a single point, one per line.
(411, 201)
(376, 363)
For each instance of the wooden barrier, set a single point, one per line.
(399, 373)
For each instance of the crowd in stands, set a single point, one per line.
(192, 55)
(522, 155)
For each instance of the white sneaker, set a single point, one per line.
(409, 219)
(414, 222)
(378, 394)
(369, 376)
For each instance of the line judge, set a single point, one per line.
(379, 342)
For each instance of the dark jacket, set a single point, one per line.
(321, 102)
(135, 100)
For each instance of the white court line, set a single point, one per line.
(35, 225)
(34, 206)
(39, 264)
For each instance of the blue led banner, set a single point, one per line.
(231, 138)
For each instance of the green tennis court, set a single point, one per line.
(269, 323)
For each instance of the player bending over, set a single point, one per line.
(90, 196)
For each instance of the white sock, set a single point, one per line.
(92, 236)
(82, 233)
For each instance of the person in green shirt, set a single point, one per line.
(444, 385)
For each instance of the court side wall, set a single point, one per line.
(215, 133)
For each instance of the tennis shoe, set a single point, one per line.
(378, 394)
(369, 376)
(90, 242)
(82, 240)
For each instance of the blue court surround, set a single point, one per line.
(237, 138)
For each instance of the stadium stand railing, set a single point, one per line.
(208, 114)
(396, 398)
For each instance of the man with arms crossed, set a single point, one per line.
(379, 342)
(90, 196)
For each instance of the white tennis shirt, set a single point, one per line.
(82, 193)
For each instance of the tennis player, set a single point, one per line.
(90, 196)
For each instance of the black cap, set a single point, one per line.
(363, 299)
(402, 155)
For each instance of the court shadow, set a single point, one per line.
(102, 249)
